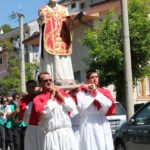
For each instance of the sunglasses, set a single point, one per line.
(47, 80)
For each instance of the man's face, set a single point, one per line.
(93, 79)
(31, 88)
(45, 82)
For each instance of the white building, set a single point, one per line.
(31, 51)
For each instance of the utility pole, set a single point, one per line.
(127, 61)
(22, 59)
(21, 49)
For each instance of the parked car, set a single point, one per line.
(135, 133)
(118, 118)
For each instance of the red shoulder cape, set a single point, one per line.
(23, 103)
(106, 93)
(38, 104)
(112, 109)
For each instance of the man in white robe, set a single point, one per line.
(50, 124)
(94, 104)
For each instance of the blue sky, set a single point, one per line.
(28, 7)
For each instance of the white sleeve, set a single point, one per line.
(84, 100)
(8, 109)
(70, 106)
(48, 108)
(104, 101)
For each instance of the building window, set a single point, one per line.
(143, 88)
(1, 61)
(73, 5)
(82, 5)
(96, 1)
(77, 76)
(35, 48)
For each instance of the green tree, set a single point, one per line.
(31, 70)
(105, 42)
(6, 28)
(11, 82)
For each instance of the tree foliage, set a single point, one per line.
(105, 42)
(12, 82)
(6, 28)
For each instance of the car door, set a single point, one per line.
(139, 131)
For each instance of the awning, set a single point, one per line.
(33, 40)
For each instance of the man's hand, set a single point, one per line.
(56, 92)
(91, 88)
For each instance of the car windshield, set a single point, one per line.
(119, 109)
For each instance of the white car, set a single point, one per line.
(117, 119)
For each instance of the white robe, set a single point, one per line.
(59, 67)
(55, 123)
(26, 115)
(34, 138)
(95, 131)
(75, 126)
(33, 133)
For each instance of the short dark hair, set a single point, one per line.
(14, 95)
(89, 72)
(3, 98)
(31, 81)
(39, 76)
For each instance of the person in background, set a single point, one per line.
(8, 125)
(16, 126)
(94, 104)
(25, 105)
(50, 112)
(75, 119)
(3, 103)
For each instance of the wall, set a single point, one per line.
(4, 65)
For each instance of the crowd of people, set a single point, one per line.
(54, 119)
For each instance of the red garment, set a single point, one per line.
(38, 104)
(56, 34)
(23, 103)
(97, 104)
(112, 109)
